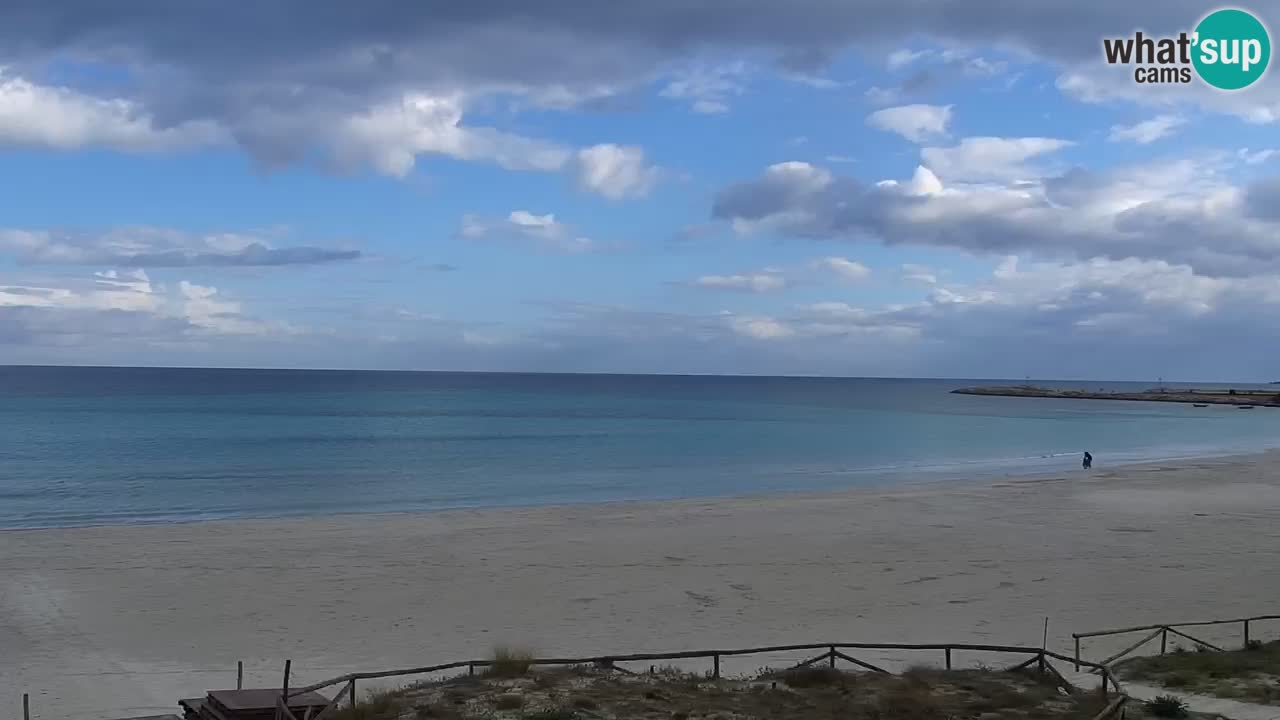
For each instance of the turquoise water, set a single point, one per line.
(85, 446)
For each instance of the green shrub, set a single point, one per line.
(1167, 706)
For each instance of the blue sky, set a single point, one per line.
(857, 188)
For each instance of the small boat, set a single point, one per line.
(1200, 405)
(1244, 407)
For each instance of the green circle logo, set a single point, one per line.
(1232, 49)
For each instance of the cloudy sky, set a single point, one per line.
(851, 187)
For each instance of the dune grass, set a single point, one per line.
(810, 693)
(1250, 675)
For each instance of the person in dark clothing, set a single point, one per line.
(1088, 460)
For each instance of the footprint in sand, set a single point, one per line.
(747, 592)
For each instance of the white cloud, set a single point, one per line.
(990, 158)
(903, 57)
(919, 274)
(845, 268)
(1099, 82)
(761, 282)
(877, 95)
(392, 135)
(1147, 131)
(843, 159)
(615, 171)
(203, 308)
(1182, 212)
(144, 246)
(707, 88)
(916, 123)
(544, 231)
(761, 328)
(130, 299)
(1255, 157)
(61, 118)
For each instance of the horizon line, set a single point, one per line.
(1157, 381)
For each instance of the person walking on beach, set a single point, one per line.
(1088, 460)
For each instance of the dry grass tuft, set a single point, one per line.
(510, 662)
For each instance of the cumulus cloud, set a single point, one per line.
(1147, 131)
(916, 123)
(380, 86)
(392, 135)
(543, 231)
(989, 158)
(1098, 82)
(62, 118)
(615, 171)
(122, 306)
(1179, 212)
(158, 247)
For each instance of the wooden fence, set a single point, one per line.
(830, 653)
(1162, 632)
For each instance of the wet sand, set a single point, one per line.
(112, 621)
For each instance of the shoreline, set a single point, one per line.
(127, 619)
(946, 475)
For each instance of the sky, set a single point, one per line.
(941, 188)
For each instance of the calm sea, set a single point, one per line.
(82, 446)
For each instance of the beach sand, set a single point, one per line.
(107, 621)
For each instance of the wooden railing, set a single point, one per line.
(831, 652)
(1162, 632)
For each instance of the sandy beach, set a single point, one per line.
(102, 622)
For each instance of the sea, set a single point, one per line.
(92, 446)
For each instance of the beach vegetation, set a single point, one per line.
(805, 693)
(1250, 674)
(1167, 706)
(509, 662)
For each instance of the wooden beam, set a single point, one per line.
(1120, 631)
(1111, 708)
(1145, 639)
(1211, 646)
(812, 660)
(860, 663)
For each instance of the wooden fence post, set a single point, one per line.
(1040, 661)
(288, 664)
(239, 674)
(1077, 653)
(716, 670)
(948, 658)
(1164, 640)
(1246, 634)
(351, 692)
(831, 659)
(26, 706)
